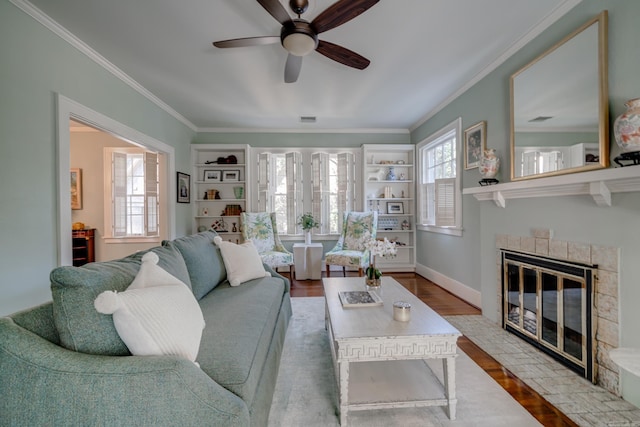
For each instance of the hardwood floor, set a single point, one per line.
(446, 304)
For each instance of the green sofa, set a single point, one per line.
(63, 364)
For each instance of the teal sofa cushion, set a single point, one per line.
(80, 327)
(203, 259)
(240, 326)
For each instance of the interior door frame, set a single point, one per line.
(68, 109)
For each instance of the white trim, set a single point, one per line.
(74, 41)
(458, 289)
(69, 109)
(451, 231)
(534, 32)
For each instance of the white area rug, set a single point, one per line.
(306, 393)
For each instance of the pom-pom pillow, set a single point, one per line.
(241, 261)
(156, 315)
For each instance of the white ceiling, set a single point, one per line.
(422, 52)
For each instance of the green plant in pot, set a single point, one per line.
(306, 221)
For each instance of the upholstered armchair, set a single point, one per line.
(357, 228)
(261, 229)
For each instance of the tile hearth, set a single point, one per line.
(584, 403)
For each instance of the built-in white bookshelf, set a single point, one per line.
(389, 188)
(219, 190)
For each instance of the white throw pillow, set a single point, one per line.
(241, 261)
(157, 314)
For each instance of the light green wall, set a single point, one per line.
(471, 258)
(36, 64)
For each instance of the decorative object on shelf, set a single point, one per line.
(202, 228)
(238, 192)
(474, 144)
(232, 210)
(219, 225)
(375, 175)
(234, 229)
(405, 225)
(626, 128)
(391, 174)
(77, 226)
(402, 177)
(395, 208)
(233, 175)
(211, 175)
(205, 211)
(184, 188)
(229, 160)
(489, 164)
(387, 192)
(213, 194)
(632, 157)
(306, 221)
(383, 248)
(387, 223)
(76, 188)
(400, 162)
(488, 181)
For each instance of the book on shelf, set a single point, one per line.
(359, 299)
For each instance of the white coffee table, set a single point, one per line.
(379, 362)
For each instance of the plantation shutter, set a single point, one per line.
(320, 197)
(119, 201)
(346, 182)
(294, 189)
(445, 201)
(264, 199)
(151, 193)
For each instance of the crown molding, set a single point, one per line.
(535, 31)
(300, 130)
(74, 41)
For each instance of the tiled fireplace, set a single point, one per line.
(601, 295)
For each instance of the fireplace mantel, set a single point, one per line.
(598, 184)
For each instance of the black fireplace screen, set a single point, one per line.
(549, 304)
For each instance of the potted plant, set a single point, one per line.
(306, 221)
(384, 248)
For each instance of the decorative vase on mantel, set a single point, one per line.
(626, 128)
(489, 164)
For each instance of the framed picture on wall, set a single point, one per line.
(76, 188)
(184, 188)
(474, 144)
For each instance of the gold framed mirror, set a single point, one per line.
(559, 107)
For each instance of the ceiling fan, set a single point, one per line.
(300, 37)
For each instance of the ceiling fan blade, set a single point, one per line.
(342, 55)
(247, 41)
(339, 13)
(275, 9)
(292, 68)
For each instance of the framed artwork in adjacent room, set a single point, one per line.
(76, 188)
(212, 175)
(474, 144)
(184, 188)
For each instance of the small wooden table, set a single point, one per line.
(379, 362)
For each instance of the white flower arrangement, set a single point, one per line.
(383, 248)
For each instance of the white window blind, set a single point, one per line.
(294, 189)
(445, 201)
(265, 203)
(119, 199)
(320, 197)
(151, 193)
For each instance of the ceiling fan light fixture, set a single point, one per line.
(299, 44)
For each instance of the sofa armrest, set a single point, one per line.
(276, 274)
(44, 384)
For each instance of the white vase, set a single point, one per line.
(626, 128)
(307, 237)
(489, 164)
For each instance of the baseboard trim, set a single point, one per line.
(458, 289)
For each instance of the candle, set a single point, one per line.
(401, 311)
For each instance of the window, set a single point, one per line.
(132, 203)
(439, 169)
(296, 181)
